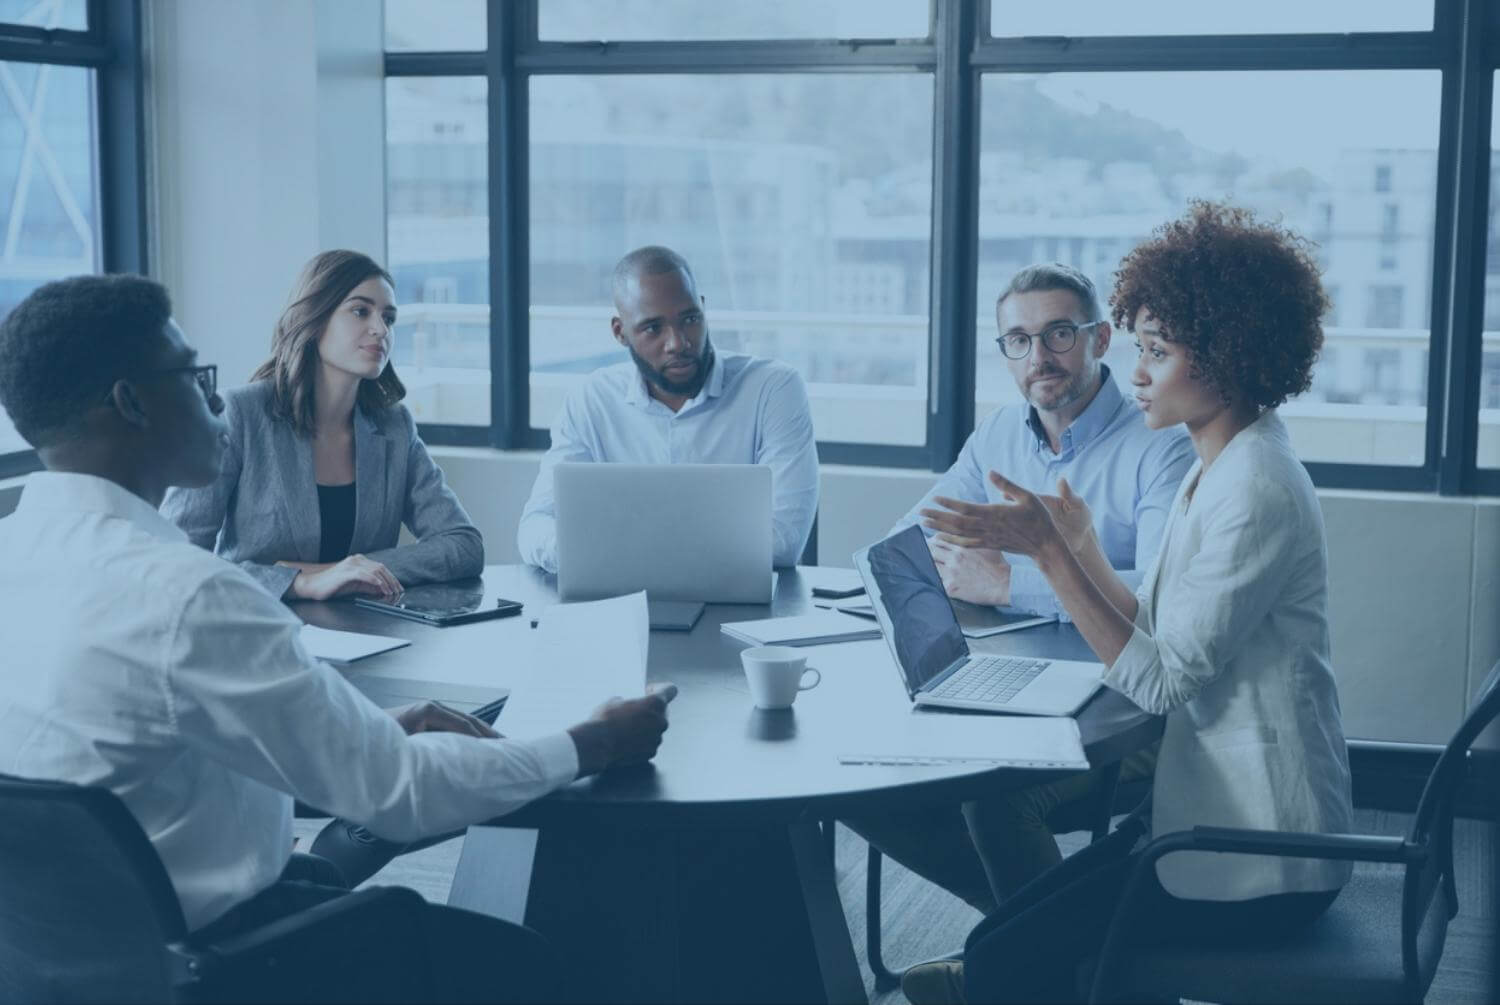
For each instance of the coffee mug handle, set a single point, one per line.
(816, 680)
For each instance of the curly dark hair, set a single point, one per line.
(66, 344)
(1242, 295)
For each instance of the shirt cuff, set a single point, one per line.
(1128, 672)
(558, 756)
(1030, 591)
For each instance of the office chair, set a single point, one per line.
(810, 549)
(1379, 942)
(1092, 815)
(88, 914)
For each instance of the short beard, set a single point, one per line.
(1072, 391)
(679, 388)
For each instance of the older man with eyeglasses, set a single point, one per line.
(1073, 423)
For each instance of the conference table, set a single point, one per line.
(705, 875)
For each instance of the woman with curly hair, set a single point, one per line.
(1228, 635)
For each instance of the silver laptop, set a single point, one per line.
(678, 531)
(934, 659)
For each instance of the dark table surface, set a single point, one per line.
(722, 759)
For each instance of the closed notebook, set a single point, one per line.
(802, 630)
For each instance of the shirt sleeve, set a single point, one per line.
(448, 545)
(1249, 552)
(200, 513)
(787, 445)
(243, 691)
(964, 480)
(536, 535)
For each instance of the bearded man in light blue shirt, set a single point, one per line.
(679, 401)
(1073, 423)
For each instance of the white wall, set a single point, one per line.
(267, 146)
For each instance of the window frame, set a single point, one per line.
(111, 46)
(1463, 46)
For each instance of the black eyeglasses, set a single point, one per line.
(1057, 338)
(207, 377)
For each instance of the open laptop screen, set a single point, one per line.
(924, 634)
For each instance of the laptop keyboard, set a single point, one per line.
(992, 679)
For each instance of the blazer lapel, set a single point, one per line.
(299, 490)
(371, 469)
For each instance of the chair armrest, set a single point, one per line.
(1236, 841)
(364, 946)
(1285, 844)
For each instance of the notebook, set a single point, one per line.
(802, 630)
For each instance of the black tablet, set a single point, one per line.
(454, 603)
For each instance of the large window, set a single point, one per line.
(806, 221)
(854, 182)
(54, 205)
(1079, 167)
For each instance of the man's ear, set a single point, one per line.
(1101, 340)
(617, 328)
(127, 403)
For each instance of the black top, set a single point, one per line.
(336, 510)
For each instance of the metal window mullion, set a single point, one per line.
(1213, 52)
(727, 57)
(955, 179)
(1458, 354)
(436, 64)
(510, 348)
(120, 90)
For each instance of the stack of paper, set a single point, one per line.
(346, 647)
(581, 656)
(801, 630)
(925, 738)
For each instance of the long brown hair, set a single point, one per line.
(324, 283)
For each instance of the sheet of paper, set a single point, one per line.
(581, 656)
(346, 647)
(949, 738)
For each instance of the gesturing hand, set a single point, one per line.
(355, 574)
(977, 575)
(1071, 514)
(1023, 526)
(431, 717)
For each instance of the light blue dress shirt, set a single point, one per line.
(1128, 474)
(750, 411)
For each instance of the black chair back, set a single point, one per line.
(86, 908)
(1425, 916)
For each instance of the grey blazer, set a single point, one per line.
(264, 506)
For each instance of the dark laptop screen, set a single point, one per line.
(925, 634)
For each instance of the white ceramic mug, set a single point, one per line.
(775, 674)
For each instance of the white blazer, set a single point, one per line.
(1231, 644)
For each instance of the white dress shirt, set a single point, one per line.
(1231, 644)
(138, 662)
(750, 411)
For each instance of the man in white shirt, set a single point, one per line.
(145, 665)
(678, 401)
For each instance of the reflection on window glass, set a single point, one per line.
(438, 249)
(1009, 18)
(72, 15)
(703, 20)
(49, 208)
(806, 219)
(1079, 168)
(1489, 371)
(435, 25)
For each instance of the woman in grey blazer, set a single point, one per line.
(1228, 635)
(323, 467)
(324, 464)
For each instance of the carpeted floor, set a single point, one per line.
(922, 921)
